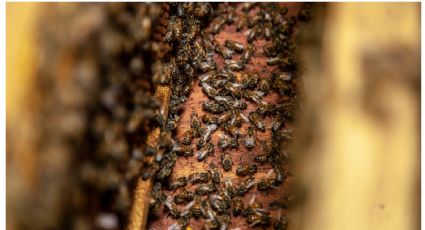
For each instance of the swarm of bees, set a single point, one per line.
(190, 58)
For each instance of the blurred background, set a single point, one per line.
(357, 142)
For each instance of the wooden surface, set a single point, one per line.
(186, 166)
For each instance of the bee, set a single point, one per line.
(162, 72)
(279, 176)
(206, 135)
(210, 119)
(207, 66)
(172, 122)
(237, 105)
(264, 86)
(238, 206)
(238, 119)
(247, 54)
(225, 117)
(172, 208)
(208, 149)
(234, 65)
(255, 96)
(213, 107)
(281, 223)
(261, 158)
(225, 52)
(273, 61)
(194, 121)
(269, 50)
(230, 17)
(224, 220)
(181, 223)
(211, 223)
(188, 137)
(227, 142)
(233, 130)
(230, 190)
(204, 189)
(218, 203)
(215, 173)
(277, 123)
(177, 29)
(267, 31)
(247, 6)
(178, 183)
(149, 171)
(266, 109)
(234, 88)
(226, 161)
(194, 29)
(253, 34)
(209, 90)
(265, 184)
(241, 23)
(245, 186)
(217, 25)
(199, 177)
(249, 140)
(201, 9)
(167, 165)
(183, 197)
(245, 170)
(195, 207)
(258, 219)
(234, 45)
(250, 81)
(256, 119)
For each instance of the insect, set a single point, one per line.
(178, 183)
(227, 142)
(207, 66)
(252, 35)
(234, 45)
(194, 121)
(171, 207)
(210, 119)
(167, 165)
(213, 107)
(258, 218)
(201, 9)
(234, 65)
(184, 196)
(208, 149)
(224, 220)
(256, 119)
(206, 135)
(245, 170)
(225, 52)
(247, 54)
(199, 177)
(249, 81)
(266, 109)
(209, 90)
(183, 150)
(234, 88)
(264, 86)
(237, 207)
(217, 25)
(281, 223)
(218, 203)
(233, 130)
(215, 173)
(269, 50)
(277, 123)
(245, 186)
(188, 137)
(249, 140)
(196, 207)
(241, 23)
(265, 184)
(255, 96)
(226, 161)
(204, 189)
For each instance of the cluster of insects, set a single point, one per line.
(190, 57)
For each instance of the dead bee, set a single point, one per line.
(238, 206)
(255, 96)
(172, 208)
(234, 45)
(217, 25)
(234, 65)
(210, 119)
(245, 170)
(227, 142)
(241, 23)
(247, 54)
(204, 151)
(245, 186)
(188, 137)
(206, 135)
(178, 183)
(226, 161)
(249, 140)
(204, 189)
(194, 121)
(215, 173)
(213, 107)
(256, 119)
(199, 177)
(183, 197)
